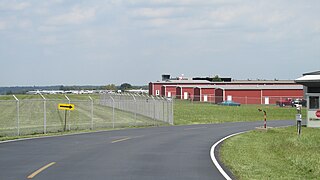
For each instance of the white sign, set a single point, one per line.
(313, 120)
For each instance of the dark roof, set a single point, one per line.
(312, 73)
(311, 79)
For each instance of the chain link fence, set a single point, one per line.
(267, 100)
(25, 116)
(157, 108)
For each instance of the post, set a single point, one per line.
(65, 120)
(44, 114)
(154, 110)
(18, 115)
(112, 111)
(91, 112)
(135, 109)
(299, 119)
(163, 109)
(69, 103)
(265, 118)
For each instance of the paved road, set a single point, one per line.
(170, 153)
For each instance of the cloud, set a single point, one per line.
(14, 5)
(3, 25)
(24, 24)
(49, 40)
(75, 16)
(157, 12)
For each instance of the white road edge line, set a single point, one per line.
(214, 159)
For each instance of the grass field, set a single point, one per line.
(186, 112)
(31, 115)
(276, 154)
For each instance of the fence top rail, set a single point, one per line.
(41, 100)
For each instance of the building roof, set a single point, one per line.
(189, 81)
(245, 87)
(184, 82)
(310, 79)
(260, 87)
(259, 82)
(312, 73)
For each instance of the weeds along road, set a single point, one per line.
(175, 152)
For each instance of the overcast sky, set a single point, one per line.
(80, 42)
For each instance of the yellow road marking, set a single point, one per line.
(119, 140)
(40, 170)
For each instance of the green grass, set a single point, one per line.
(276, 154)
(31, 115)
(186, 112)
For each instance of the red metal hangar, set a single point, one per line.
(242, 91)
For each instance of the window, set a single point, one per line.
(314, 102)
(157, 92)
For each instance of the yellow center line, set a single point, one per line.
(119, 140)
(40, 170)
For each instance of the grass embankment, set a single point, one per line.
(276, 154)
(186, 112)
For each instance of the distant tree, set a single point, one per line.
(111, 87)
(216, 78)
(9, 92)
(125, 86)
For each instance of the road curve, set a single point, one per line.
(162, 153)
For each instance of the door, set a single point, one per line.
(266, 100)
(185, 95)
(205, 98)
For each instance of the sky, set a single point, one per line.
(97, 42)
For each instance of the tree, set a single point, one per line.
(125, 86)
(111, 87)
(216, 78)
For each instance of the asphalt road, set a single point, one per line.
(170, 153)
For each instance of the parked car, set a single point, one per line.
(296, 102)
(284, 102)
(229, 103)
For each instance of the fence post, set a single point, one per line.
(135, 110)
(18, 114)
(69, 111)
(154, 110)
(112, 111)
(91, 112)
(44, 114)
(171, 121)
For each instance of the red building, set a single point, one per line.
(244, 92)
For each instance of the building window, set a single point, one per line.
(314, 102)
(157, 92)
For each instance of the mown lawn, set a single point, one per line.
(276, 154)
(32, 108)
(186, 112)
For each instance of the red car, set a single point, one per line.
(284, 102)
